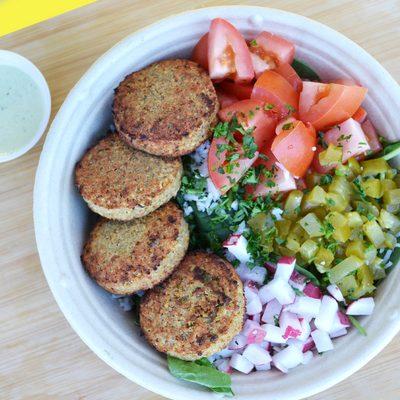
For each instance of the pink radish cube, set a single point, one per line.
(263, 367)
(372, 136)
(290, 325)
(257, 274)
(322, 341)
(273, 333)
(285, 268)
(309, 344)
(307, 357)
(288, 358)
(364, 306)
(335, 292)
(237, 246)
(265, 294)
(312, 291)
(281, 291)
(254, 306)
(238, 342)
(327, 314)
(340, 332)
(305, 306)
(223, 365)
(350, 136)
(256, 354)
(305, 330)
(224, 353)
(250, 291)
(297, 280)
(241, 364)
(339, 322)
(272, 311)
(256, 318)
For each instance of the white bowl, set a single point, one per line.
(62, 218)
(12, 59)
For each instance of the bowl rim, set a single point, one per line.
(167, 389)
(11, 58)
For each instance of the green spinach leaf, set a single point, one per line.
(201, 372)
(304, 71)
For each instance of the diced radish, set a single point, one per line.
(281, 291)
(241, 364)
(339, 323)
(364, 306)
(296, 342)
(340, 332)
(263, 367)
(223, 365)
(372, 136)
(272, 311)
(307, 357)
(312, 291)
(250, 291)
(257, 274)
(288, 358)
(225, 353)
(322, 341)
(285, 268)
(327, 313)
(297, 280)
(237, 246)
(254, 306)
(243, 271)
(238, 342)
(265, 294)
(274, 334)
(256, 354)
(309, 344)
(256, 318)
(335, 292)
(290, 325)
(253, 332)
(344, 319)
(350, 136)
(271, 267)
(266, 345)
(305, 306)
(305, 330)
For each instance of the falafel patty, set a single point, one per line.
(119, 182)
(124, 257)
(167, 108)
(197, 311)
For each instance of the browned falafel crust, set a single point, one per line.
(119, 182)
(197, 311)
(167, 108)
(124, 257)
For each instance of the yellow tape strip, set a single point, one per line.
(18, 14)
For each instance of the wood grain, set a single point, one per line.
(40, 356)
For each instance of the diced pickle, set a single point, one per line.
(355, 248)
(308, 249)
(354, 219)
(344, 268)
(313, 179)
(258, 222)
(387, 184)
(377, 268)
(341, 231)
(389, 221)
(341, 186)
(312, 225)
(283, 250)
(392, 197)
(344, 171)
(372, 188)
(317, 196)
(347, 285)
(331, 156)
(292, 205)
(336, 202)
(323, 259)
(283, 227)
(390, 240)
(298, 233)
(293, 245)
(391, 173)
(374, 233)
(365, 282)
(320, 212)
(354, 165)
(375, 166)
(370, 253)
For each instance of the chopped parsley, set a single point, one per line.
(253, 43)
(287, 126)
(269, 106)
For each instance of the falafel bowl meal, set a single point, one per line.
(247, 210)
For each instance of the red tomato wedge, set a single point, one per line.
(224, 181)
(372, 136)
(269, 51)
(225, 99)
(294, 147)
(279, 181)
(250, 114)
(360, 115)
(200, 52)
(327, 104)
(228, 54)
(240, 90)
(288, 72)
(276, 92)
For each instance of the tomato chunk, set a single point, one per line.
(250, 114)
(288, 72)
(217, 161)
(277, 93)
(328, 104)
(372, 136)
(240, 90)
(228, 54)
(200, 52)
(269, 51)
(294, 147)
(225, 99)
(350, 137)
(360, 115)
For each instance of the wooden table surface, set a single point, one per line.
(41, 357)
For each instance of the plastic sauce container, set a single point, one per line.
(25, 105)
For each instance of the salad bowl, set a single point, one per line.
(62, 220)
